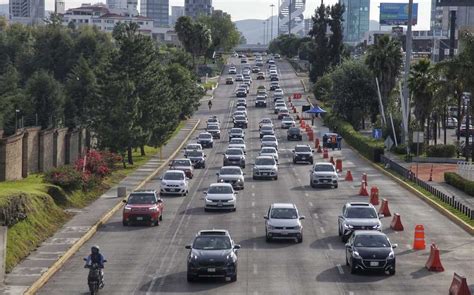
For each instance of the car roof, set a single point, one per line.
(220, 184)
(323, 164)
(269, 147)
(181, 159)
(234, 167)
(239, 129)
(268, 136)
(144, 191)
(234, 148)
(207, 133)
(369, 232)
(265, 157)
(283, 205)
(174, 171)
(213, 232)
(303, 145)
(359, 204)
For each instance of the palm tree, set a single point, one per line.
(421, 84)
(384, 59)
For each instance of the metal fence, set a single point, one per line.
(407, 174)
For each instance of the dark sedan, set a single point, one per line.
(294, 133)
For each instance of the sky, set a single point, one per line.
(260, 9)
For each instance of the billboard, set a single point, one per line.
(454, 3)
(396, 14)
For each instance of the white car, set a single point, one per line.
(232, 71)
(283, 221)
(265, 167)
(233, 175)
(269, 151)
(220, 196)
(242, 109)
(278, 106)
(192, 147)
(239, 78)
(265, 121)
(174, 182)
(238, 143)
(451, 122)
(323, 173)
(237, 114)
(278, 92)
(287, 122)
(271, 140)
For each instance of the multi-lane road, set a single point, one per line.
(151, 260)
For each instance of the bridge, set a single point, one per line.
(251, 47)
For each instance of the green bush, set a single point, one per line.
(459, 182)
(369, 147)
(66, 177)
(401, 149)
(441, 150)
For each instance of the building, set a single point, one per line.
(4, 11)
(158, 10)
(131, 6)
(195, 8)
(176, 12)
(59, 6)
(356, 20)
(291, 14)
(28, 12)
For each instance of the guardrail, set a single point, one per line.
(409, 175)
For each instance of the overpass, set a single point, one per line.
(251, 47)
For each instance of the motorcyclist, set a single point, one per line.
(96, 257)
(209, 104)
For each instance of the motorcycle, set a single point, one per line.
(95, 278)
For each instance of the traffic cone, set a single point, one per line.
(349, 176)
(319, 150)
(332, 161)
(325, 154)
(396, 223)
(310, 135)
(338, 165)
(419, 242)
(374, 196)
(316, 143)
(384, 208)
(364, 178)
(459, 285)
(434, 261)
(363, 190)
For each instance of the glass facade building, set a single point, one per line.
(195, 8)
(158, 10)
(356, 19)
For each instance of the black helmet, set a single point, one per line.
(95, 249)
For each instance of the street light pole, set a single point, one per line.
(271, 23)
(406, 94)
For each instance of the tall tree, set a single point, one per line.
(319, 58)
(225, 35)
(336, 46)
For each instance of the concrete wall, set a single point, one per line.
(59, 147)
(31, 139)
(11, 157)
(73, 146)
(46, 150)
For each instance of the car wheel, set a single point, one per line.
(392, 271)
(206, 210)
(344, 238)
(124, 223)
(243, 167)
(254, 177)
(353, 269)
(312, 184)
(161, 216)
(347, 261)
(267, 238)
(336, 186)
(339, 233)
(233, 278)
(234, 209)
(294, 161)
(300, 240)
(276, 177)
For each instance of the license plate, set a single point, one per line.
(219, 205)
(374, 263)
(304, 158)
(174, 189)
(265, 174)
(139, 218)
(211, 270)
(283, 233)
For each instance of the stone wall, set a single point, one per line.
(31, 140)
(11, 154)
(59, 147)
(46, 150)
(73, 146)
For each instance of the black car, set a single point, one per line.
(240, 122)
(234, 157)
(198, 158)
(294, 133)
(255, 70)
(274, 77)
(370, 250)
(205, 139)
(303, 153)
(212, 254)
(241, 93)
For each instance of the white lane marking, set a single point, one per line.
(330, 246)
(351, 293)
(253, 204)
(311, 204)
(253, 185)
(255, 269)
(253, 194)
(254, 229)
(316, 216)
(322, 230)
(339, 268)
(253, 215)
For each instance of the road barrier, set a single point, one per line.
(374, 196)
(459, 286)
(450, 200)
(384, 208)
(434, 261)
(319, 151)
(396, 223)
(325, 153)
(349, 176)
(419, 241)
(316, 143)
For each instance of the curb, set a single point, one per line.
(43, 279)
(466, 227)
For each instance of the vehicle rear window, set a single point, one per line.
(220, 189)
(267, 128)
(234, 152)
(213, 127)
(371, 241)
(211, 243)
(284, 213)
(181, 163)
(269, 139)
(230, 171)
(237, 141)
(302, 149)
(267, 151)
(361, 212)
(265, 161)
(195, 154)
(141, 199)
(205, 136)
(323, 168)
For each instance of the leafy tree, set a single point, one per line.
(336, 46)
(286, 45)
(385, 60)
(195, 37)
(225, 35)
(320, 56)
(322, 89)
(11, 99)
(242, 39)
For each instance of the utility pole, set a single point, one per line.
(289, 18)
(406, 94)
(271, 25)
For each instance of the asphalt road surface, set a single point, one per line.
(152, 260)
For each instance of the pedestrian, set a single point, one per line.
(312, 119)
(339, 142)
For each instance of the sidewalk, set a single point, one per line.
(38, 262)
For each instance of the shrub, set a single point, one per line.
(66, 177)
(441, 150)
(95, 163)
(369, 147)
(459, 182)
(401, 149)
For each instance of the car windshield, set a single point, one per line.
(212, 120)
(267, 151)
(142, 199)
(212, 243)
(213, 127)
(266, 121)
(361, 212)
(237, 141)
(323, 168)
(230, 171)
(284, 213)
(240, 118)
(181, 163)
(280, 104)
(294, 130)
(220, 189)
(265, 161)
(195, 154)
(302, 149)
(269, 139)
(205, 136)
(267, 128)
(287, 119)
(193, 147)
(173, 176)
(371, 241)
(236, 131)
(234, 152)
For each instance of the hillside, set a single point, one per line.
(253, 29)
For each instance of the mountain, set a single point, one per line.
(252, 29)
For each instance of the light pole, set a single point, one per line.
(271, 25)
(406, 93)
(17, 112)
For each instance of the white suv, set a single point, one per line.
(174, 182)
(323, 173)
(265, 167)
(283, 222)
(220, 196)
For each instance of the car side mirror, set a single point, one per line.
(185, 156)
(237, 247)
(302, 217)
(105, 260)
(381, 215)
(124, 201)
(394, 246)
(205, 192)
(160, 178)
(244, 173)
(187, 246)
(217, 173)
(340, 216)
(265, 217)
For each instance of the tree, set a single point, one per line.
(319, 57)
(225, 35)
(385, 60)
(242, 39)
(11, 99)
(46, 96)
(195, 37)
(336, 46)
(322, 89)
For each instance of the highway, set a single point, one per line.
(152, 260)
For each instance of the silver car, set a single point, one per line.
(323, 173)
(358, 216)
(265, 167)
(270, 140)
(220, 196)
(283, 222)
(232, 175)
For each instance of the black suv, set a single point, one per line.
(261, 101)
(303, 153)
(294, 133)
(212, 254)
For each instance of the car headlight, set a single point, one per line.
(194, 257)
(334, 177)
(231, 201)
(127, 208)
(391, 255)
(377, 226)
(154, 208)
(163, 183)
(298, 227)
(239, 180)
(207, 200)
(270, 227)
(346, 226)
(356, 254)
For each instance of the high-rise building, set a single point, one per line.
(130, 6)
(158, 10)
(290, 14)
(176, 12)
(356, 19)
(195, 8)
(59, 6)
(27, 11)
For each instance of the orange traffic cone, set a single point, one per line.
(384, 208)
(319, 149)
(396, 223)
(349, 176)
(363, 190)
(316, 143)
(419, 242)
(434, 261)
(374, 196)
(339, 165)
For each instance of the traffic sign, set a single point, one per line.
(297, 95)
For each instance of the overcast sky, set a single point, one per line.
(260, 9)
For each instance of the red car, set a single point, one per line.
(143, 206)
(184, 165)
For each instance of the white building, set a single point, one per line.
(59, 6)
(29, 12)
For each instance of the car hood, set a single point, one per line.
(217, 255)
(284, 222)
(220, 196)
(196, 158)
(204, 139)
(181, 168)
(176, 182)
(268, 154)
(304, 153)
(214, 131)
(373, 253)
(362, 221)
